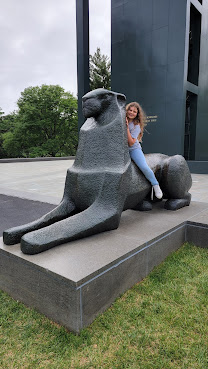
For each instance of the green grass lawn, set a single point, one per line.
(162, 322)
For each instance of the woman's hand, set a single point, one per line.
(127, 123)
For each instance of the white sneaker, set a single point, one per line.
(157, 191)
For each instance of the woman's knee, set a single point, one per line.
(145, 169)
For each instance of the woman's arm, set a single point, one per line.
(131, 140)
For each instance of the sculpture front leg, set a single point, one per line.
(64, 209)
(91, 221)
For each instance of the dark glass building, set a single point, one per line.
(160, 58)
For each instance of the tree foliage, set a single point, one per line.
(44, 125)
(2, 153)
(100, 71)
(6, 123)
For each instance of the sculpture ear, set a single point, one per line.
(121, 99)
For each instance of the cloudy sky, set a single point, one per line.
(38, 44)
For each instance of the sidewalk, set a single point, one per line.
(44, 181)
(40, 181)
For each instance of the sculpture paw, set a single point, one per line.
(35, 242)
(12, 236)
(145, 205)
(175, 204)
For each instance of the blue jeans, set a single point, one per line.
(138, 157)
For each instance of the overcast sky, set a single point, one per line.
(38, 44)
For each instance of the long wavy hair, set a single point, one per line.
(140, 118)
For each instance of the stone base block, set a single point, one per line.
(73, 283)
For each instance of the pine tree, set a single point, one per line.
(100, 71)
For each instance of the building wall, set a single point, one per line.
(150, 53)
(202, 111)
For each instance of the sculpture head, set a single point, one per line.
(98, 101)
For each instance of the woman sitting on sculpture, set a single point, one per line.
(135, 121)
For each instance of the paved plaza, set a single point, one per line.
(44, 181)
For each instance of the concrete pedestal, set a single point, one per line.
(73, 283)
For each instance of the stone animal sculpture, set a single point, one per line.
(103, 181)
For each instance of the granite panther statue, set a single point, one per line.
(103, 181)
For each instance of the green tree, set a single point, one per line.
(6, 123)
(45, 124)
(100, 71)
(13, 139)
(1, 132)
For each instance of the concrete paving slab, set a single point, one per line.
(199, 189)
(40, 181)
